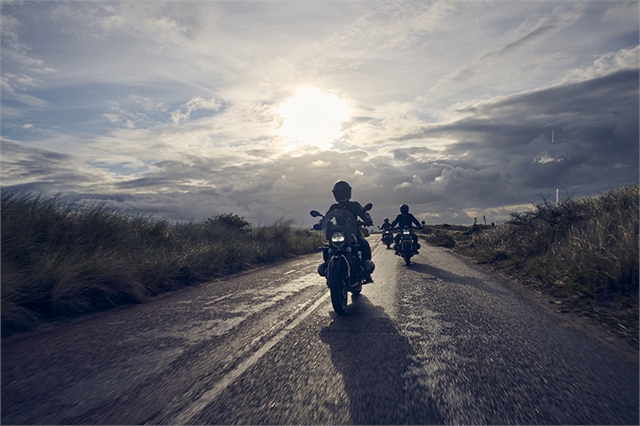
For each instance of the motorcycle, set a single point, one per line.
(406, 247)
(344, 268)
(387, 238)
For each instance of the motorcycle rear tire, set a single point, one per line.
(337, 287)
(407, 260)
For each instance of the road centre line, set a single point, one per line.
(209, 396)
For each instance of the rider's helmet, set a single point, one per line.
(341, 191)
(386, 220)
(404, 209)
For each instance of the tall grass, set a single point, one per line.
(61, 260)
(584, 251)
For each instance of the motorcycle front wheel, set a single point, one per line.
(337, 287)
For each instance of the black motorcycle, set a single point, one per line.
(345, 270)
(406, 247)
(387, 238)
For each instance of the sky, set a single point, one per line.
(189, 109)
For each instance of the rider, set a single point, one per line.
(386, 225)
(342, 193)
(406, 219)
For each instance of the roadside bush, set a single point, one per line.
(230, 220)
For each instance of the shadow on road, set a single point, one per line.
(373, 358)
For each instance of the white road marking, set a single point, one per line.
(209, 396)
(290, 272)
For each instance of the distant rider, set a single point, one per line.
(406, 219)
(342, 194)
(386, 225)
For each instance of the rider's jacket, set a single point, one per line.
(356, 210)
(386, 226)
(407, 220)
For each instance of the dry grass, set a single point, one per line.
(60, 260)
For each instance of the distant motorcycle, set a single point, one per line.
(406, 247)
(345, 269)
(387, 238)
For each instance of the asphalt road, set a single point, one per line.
(438, 342)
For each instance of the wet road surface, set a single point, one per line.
(437, 342)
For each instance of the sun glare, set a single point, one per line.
(312, 118)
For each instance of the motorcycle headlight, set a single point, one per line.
(405, 232)
(338, 238)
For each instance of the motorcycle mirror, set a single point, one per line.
(368, 207)
(423, 222)
(315, 213)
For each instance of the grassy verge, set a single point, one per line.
(60, 261)
(583, 252)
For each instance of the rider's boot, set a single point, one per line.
(322, 269)
(369, 266)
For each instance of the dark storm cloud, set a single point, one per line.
(42, 170)
(607, 105)
(504, 153)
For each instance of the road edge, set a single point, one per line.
(604, 339)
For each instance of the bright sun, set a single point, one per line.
(312, 118)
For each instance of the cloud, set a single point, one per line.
(194, 105)
(13, 50)
(604, 64)
(621, 12)
(320, 163)
(172, 107)
(139, 112)
(283, 184)
(45, 170)
(12, 82)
